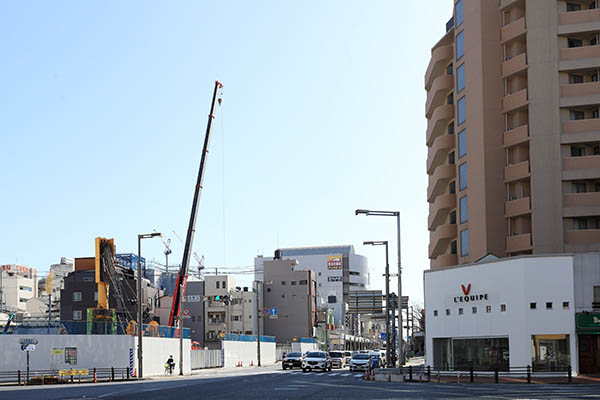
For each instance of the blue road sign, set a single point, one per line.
(383, 335)
(273, 311)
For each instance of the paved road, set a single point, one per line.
(272, 383)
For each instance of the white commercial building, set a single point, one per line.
(339, 270)
(514, 313)
(18, 284)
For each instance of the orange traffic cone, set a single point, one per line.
(135, 373)
(252, 363)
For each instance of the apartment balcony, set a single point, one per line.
(437, 125)
(516, 136)
(515, 101)
(517, 172)
(579, 21)
(584, 236)
(585, 162)
(439, 210)
(580, 94)
(439, 181)
(438, 153)
(581, 204)
(514, 65)
(518, 243)
(517, 207)
(440, 57)
(513, 30)
(439, 239)
(438, 93)
(581, 126)
(579, 57)
(445, 260)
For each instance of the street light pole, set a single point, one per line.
(387, 299)
(139, 298)
(397, 215)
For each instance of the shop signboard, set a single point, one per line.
(588, 322)
(334, 262)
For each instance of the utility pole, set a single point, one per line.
(1, 291)
(257, 323)
(181, 330)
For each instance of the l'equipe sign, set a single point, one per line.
(468, 297)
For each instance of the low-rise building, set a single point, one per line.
(193, 309)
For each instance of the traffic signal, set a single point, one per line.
(217, 298)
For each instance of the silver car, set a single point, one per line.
(359, 362)
(337, 359)
(316, 360)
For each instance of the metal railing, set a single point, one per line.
(64, 376)
(201, 359)
(470, 374)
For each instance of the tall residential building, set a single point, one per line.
(513, 131)
(18, 284)
(58, 273)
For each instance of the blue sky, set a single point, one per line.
(103, 108)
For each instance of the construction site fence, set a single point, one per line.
(472, 374)
(64, 376)
(96, 328)
(207, 359)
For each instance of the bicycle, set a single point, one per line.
(168, 369)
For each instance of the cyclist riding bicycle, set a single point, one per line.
(169, 365)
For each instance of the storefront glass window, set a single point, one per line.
(442, 353)
(462, 354)
(550, 352)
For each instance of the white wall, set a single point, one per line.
(246, 353)
(93, 351)
(156, 352)
(304, 347)
(514, 282)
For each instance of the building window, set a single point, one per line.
(488, 309)
(575, 115)
(331, 299)
(548, 305)
(575, 42)
(461, 109)
(575, 79)
(460, 45)
(462, 176)
(447, 311)
(224, 285)
(435, 313)
(464, 243)
(77, 296)
(453, 248)
(460, 78)
(453, 217)
(474, 310)
(76, 315)
(452, 187)
(303, 282)
(462, 143)
(95, 296)
(451, 158)
(217, 284)
(464, 209)
(460, 311)
(577, 151)
(458, 14)
(503, 307)
(293, 283)
(449, 69)
(282, 283)
(268, 289)
(451, 129)
(565, 305)
(573, 7)
(579, 187)
(450, 98)
(532, 306)
(550, 352)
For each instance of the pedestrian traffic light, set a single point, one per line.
(217, 298)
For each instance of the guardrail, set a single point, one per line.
(471, 374)
(63, 376)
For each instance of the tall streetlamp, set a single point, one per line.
(139, 296)
(397, 215)
(387, 298)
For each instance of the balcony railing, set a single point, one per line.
(518, 243)
(438, 153)
(516, 172)
(514, 101)
(517, 207)
(439, 239)
(438, 93)
(581, 126)
(439, 210)
(513, 30)
(514, 65)
(444, 260)
(438, 123)
(516, 136)
(579, 53)
(585, 162)
(584, 236)
(579, 17)
(439, 180)
(440, 57)
(589, 199)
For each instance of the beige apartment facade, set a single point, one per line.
(513, 131)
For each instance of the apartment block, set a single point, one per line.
(513, 131)
(18, 284)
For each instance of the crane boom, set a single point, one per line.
(187, 251)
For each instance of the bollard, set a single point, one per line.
(366, 371)
(128, 374)
(95, 377)
(428, 373)
(420, 378)
(19, 376)
(112, 374)
(79, 378)
(529, 374)
(438, 377)
(570, 372)
(71, 378)
(457, 377)
(372, 374)
(496, 375)
(471, 373)
(410, 373)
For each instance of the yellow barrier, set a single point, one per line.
(73, 372)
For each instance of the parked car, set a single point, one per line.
(292, 360)
(337, 359)
(316, 360)
(378, 358)
(347, 357)
(359, 362)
